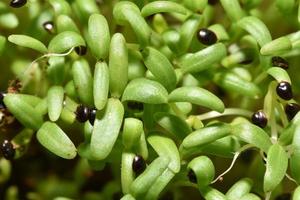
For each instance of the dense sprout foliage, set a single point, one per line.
(178, 99)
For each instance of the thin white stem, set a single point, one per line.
(290, 178)
(227, 111)
(236, 155)
(45, 56)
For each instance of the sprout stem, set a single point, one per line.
(227, 111)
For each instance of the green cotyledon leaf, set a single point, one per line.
(160, 67)
(145, 91)
(101, 84)
(204, 170)
(23, 111)
(198, 96)
(203, 59)
(144, 181)
(65, 41)
(29, 42)
(276, 166)
(162, 6)
(252, 134)
(118, 65)
(106, 129)
(98, 36)
(206, 135)
(166, 147)
(55, 98)
(53, 138)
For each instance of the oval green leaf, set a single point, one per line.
(166, 147)
(55, 140)
(118, 65)
(203, 59)
(252, 134)
(65, 41)
(198, 96)
(29, 42)
(132, 131)
(98, 36)
(23, 112)
(145, 91)
(83, 81)
(256, 28)
(236, 84)
(106, 129)
(162, 6)
(206, 135)
(277, 163)
(101, 85)
(160, 67)
(55, 99)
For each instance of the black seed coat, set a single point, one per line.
(259, 118)
(284, 90)
(92, 116)
(82, 113)
(138, 164)
(291, 109)
(17, 3)
(206, 36)
(8, 150)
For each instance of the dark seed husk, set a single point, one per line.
(17, 3)
(92, 116)
(82, 113)
(138, 164)
(291, 109)
(284, 90)
(206, 36)
(8, 150)
(259, 118)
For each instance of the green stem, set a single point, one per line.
(227, 111)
